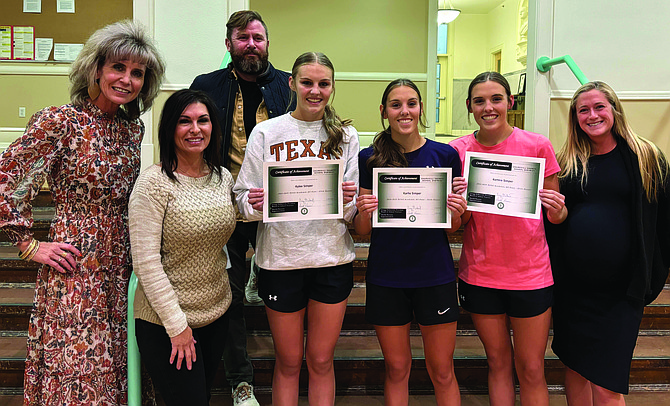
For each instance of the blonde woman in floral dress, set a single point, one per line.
(89, 153)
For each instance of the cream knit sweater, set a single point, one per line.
(177, 234)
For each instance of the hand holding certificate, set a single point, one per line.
(504, 184)
(411, 197)
(302, 190)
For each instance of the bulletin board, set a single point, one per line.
(89, 16)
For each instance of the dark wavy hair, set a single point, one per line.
(174, 106)
(386, 152)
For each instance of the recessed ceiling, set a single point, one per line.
(474, 6)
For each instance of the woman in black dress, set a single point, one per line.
(610, 257)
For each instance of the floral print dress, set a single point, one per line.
(77, 333)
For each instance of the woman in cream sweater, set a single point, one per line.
(181, 216)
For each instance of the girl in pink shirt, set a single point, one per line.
(504, 270)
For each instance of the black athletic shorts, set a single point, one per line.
(289, 291)
(514, 303)
(432, 305)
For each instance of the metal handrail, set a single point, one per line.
(544, 64)
(226, 60)
(134, 373)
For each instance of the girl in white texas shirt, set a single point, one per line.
(305, 266)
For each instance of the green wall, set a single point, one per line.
(360, 37)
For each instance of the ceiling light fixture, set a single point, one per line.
(447, 14)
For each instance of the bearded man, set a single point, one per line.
(249, 90)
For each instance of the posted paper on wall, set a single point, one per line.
(32, 6)
(43, 47)
(5, 42)
(67, 52)
(24, 42)
(65, 6)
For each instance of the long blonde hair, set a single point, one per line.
(573, 157)
(332, 122)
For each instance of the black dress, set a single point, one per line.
(595, 322)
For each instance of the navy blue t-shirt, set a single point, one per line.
(411, 257)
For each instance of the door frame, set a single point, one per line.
(538, 85)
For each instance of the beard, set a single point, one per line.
(245, 63)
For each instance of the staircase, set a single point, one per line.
(359, 364)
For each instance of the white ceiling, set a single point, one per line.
(473, 6)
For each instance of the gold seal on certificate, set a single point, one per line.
(411, 197)
(302, 190)
(504, 184)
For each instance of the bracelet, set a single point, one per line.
(23, 254)
(30, 252)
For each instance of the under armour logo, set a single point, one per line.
(273, 297)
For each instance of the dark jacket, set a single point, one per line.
(652, 222)
(651, 234)
(222, 86)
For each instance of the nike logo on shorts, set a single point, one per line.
(441, 312)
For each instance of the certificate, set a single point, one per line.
(504, 184)
(411, 197)
(302, 190)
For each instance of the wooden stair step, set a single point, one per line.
(16, 296)
(637, 397)
(359, 361)
(16, 304)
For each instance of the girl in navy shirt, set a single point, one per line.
(410, 270)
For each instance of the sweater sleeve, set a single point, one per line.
(146, 210)
(351, 169)
(251, 175)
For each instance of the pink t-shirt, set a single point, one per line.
(504, 252)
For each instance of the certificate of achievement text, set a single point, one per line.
(411, 197)
(302, 190)
(504, 184)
